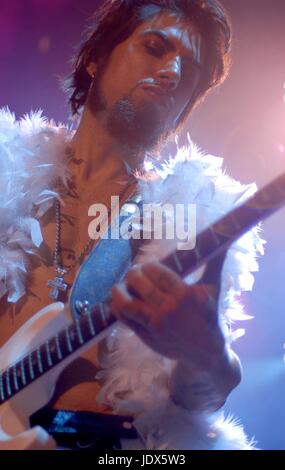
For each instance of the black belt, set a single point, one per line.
(85, 430)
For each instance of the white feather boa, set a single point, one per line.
(33, 154)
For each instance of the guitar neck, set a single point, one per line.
(219, 237)
(209, 244)
(54, 351)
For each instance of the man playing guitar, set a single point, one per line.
(139, 74)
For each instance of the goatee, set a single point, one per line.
(139, 126)
(142, 125)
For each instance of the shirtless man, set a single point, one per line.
(142, 82)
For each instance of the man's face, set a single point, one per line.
(148, 80)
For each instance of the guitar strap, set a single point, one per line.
(107, 263)
(109, 260)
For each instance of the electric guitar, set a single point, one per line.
(32, 360)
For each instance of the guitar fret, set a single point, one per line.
(90, 323)
(31, 368)
(15, 378)
(215, 237)
(40, 364)
(58, 350)
(8, 385)
(79, 332)
(103, 314)
(235, 222)
(68, 340)
(23, 376)
(177, 262)
(48, 354)
(2, 394)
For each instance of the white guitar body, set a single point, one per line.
(15, 413)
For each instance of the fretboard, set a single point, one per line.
(55, 350)
(209, 244)
(219, 237)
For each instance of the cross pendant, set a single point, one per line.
(58, 285)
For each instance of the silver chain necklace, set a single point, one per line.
(58, 285)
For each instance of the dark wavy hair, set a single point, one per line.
(115, 20)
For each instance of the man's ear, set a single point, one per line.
(91, 69)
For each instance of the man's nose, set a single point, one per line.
(169, 75)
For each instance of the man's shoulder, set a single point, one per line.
(193, 176)
(32, 140)
(33, 152)
(29, 124)
(32, 157)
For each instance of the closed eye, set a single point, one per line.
(155, 50)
